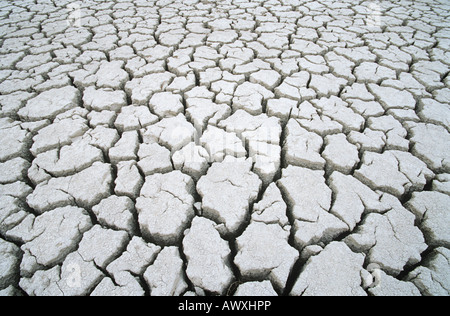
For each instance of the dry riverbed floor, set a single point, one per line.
(237, 147)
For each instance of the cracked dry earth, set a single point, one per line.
(238, 147)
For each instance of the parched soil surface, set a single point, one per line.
(237, 147)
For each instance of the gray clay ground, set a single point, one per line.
(237, 147)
